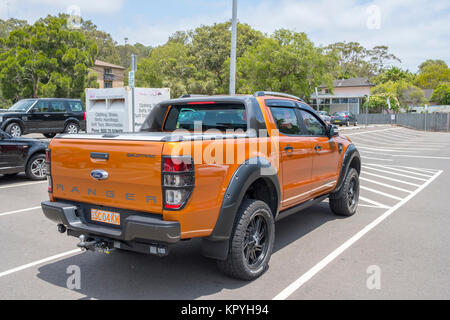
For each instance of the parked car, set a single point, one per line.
(22, 155)
(325, 116)
(96, 181)
(344, 118)
(46, 116)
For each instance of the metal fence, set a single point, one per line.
(427, 122)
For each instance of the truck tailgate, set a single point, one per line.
(133, 169)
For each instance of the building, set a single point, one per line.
(348, 95)
(109, 75)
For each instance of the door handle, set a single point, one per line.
(289, 149)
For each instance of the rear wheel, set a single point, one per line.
(72, 128)
(251, 243)
(14, 129)
(36, 169)
(347, 203)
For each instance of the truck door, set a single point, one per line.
(296, 157)
(326, 153)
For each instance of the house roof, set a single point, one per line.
(100, 63)
(352, 82)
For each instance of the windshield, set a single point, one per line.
(22, 105)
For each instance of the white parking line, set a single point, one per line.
(363, 146)
(33, 264)
(416, 169)
(420, 157)
(19, 211)
(377, 159)
(391, 179)
(394, 173)
(381, 193)
(373, 131)
(22, 184)
(385, 185)
(297, 284)
(379, 205)
(401, 170)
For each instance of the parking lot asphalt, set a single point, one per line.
(400, 231)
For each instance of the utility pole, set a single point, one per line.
(233, 50)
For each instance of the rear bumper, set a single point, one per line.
(134, 228)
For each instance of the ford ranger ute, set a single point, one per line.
(222, 168)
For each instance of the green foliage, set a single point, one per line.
(404, 93)
(287, 62)
(393, 74)
(7, 26)
(356, 61)
(442, 94)
(46, 59)
(432, 73)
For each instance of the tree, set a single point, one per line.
(286, 62)
(442, 94)
(7, 26)
(393, 74)
(355, 61)
(403, 92)
(46, 59)
(432, 73)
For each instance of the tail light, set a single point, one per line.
(178, 181)
(84, 116)
(48, 169)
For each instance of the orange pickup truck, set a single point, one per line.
(222, 168)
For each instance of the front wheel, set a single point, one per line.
(36, 168)
(251, 243)
(347, 202)
(14, 129)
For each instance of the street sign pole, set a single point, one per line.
(426, 114)
(132, 85)
(317, 100)
(233, 50)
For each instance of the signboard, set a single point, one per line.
(110, 110)
(145, 100)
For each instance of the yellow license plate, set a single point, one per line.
(105, 217)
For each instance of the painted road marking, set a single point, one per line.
(394, 173)
(33, 264)
(400, 170)
(297, 284)
(421, 157)
(375, 203)
(22, 184)
(391, 179)
(385, 185)
(19, 211)
(382, 193)
(377, 159)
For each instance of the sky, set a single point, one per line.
(414, 30)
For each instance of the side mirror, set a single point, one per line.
(333, 131)
(34, 110)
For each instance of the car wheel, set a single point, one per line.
(36, 167)
(49, 135)
(72, 128)
(251, 243)
(14, 129)
(347, 203)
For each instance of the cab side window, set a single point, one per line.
(57, 106)
(312, 125)
(286, 120)
(42, 106)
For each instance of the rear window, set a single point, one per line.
(221, 117)
(75, 106)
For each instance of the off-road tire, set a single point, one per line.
(346, 205)
(237, 263)
(30, 170)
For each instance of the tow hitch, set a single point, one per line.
(94, 245)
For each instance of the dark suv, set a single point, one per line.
(46, 116)
(22, 155)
